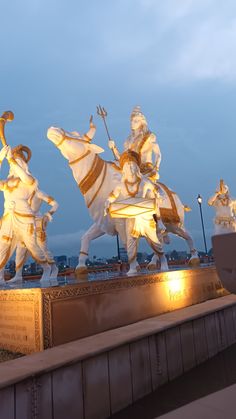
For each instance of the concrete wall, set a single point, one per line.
(102, 374)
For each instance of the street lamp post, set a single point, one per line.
(118, 248)
(199, 200)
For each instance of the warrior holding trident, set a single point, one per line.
(143, 142)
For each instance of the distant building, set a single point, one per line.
(61, 259)
(73, 261)
(123, 254)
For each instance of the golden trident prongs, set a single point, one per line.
(103, 113)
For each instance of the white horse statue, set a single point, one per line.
(96, 179)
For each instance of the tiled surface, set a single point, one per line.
(67, 392)
(97, 376)
(200, 340)
(96, 387)
(187, 345)
(7, 407)
(120, 378)
(50, 359)
(140, 366)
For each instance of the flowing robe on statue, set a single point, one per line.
(35, 202)
(18, 222)
(225, 218)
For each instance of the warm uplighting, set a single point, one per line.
(175, 285)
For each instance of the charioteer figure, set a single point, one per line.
(135, 199)
(143, 142)
(225, 206)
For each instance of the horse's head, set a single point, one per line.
(71, 144)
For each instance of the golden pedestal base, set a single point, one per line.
(36, 319)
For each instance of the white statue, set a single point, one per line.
(96, 179)
(41, 221)
(225, 207)
(143, 142)
(18, 221)
(132, 186)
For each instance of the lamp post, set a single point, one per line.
(118, 248)
(199, 200)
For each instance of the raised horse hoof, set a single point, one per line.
(194, 262)
(81, 273)
(152, 267)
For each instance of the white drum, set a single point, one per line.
(132, 207)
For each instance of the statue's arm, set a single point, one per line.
(212, 200)
(2, 185)
(24, 177)
(112, 198)
(156, 151)
(50, 201)
(112, 146)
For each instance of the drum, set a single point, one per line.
(132, 207)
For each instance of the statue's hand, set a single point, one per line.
(106, 208)
(4, 152)
(91, 124)
(46, 218)
(9, 154)
(111, 144)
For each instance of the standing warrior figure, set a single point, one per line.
(225, 206)
(18, 222)
(143, 142)
(41, 221)
(134, 185)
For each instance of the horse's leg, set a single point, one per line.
(93, 233)
(181, 232)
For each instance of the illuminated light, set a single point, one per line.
(199, 199)
(175, 285)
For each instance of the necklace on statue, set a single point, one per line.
(135, 183)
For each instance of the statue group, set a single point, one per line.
(124, 197)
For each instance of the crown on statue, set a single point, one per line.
(137, 112)
(223, 188)
(22, 152)
(129, 156)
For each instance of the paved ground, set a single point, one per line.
(7, 355)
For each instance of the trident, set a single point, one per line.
(6, 116)
(103, 113)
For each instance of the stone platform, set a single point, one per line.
(34, 318)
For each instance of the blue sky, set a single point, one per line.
(176, 59)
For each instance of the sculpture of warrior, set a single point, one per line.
(225, 206)
(18, 221)
(143, 142)
(41, 221)
(134, 185)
